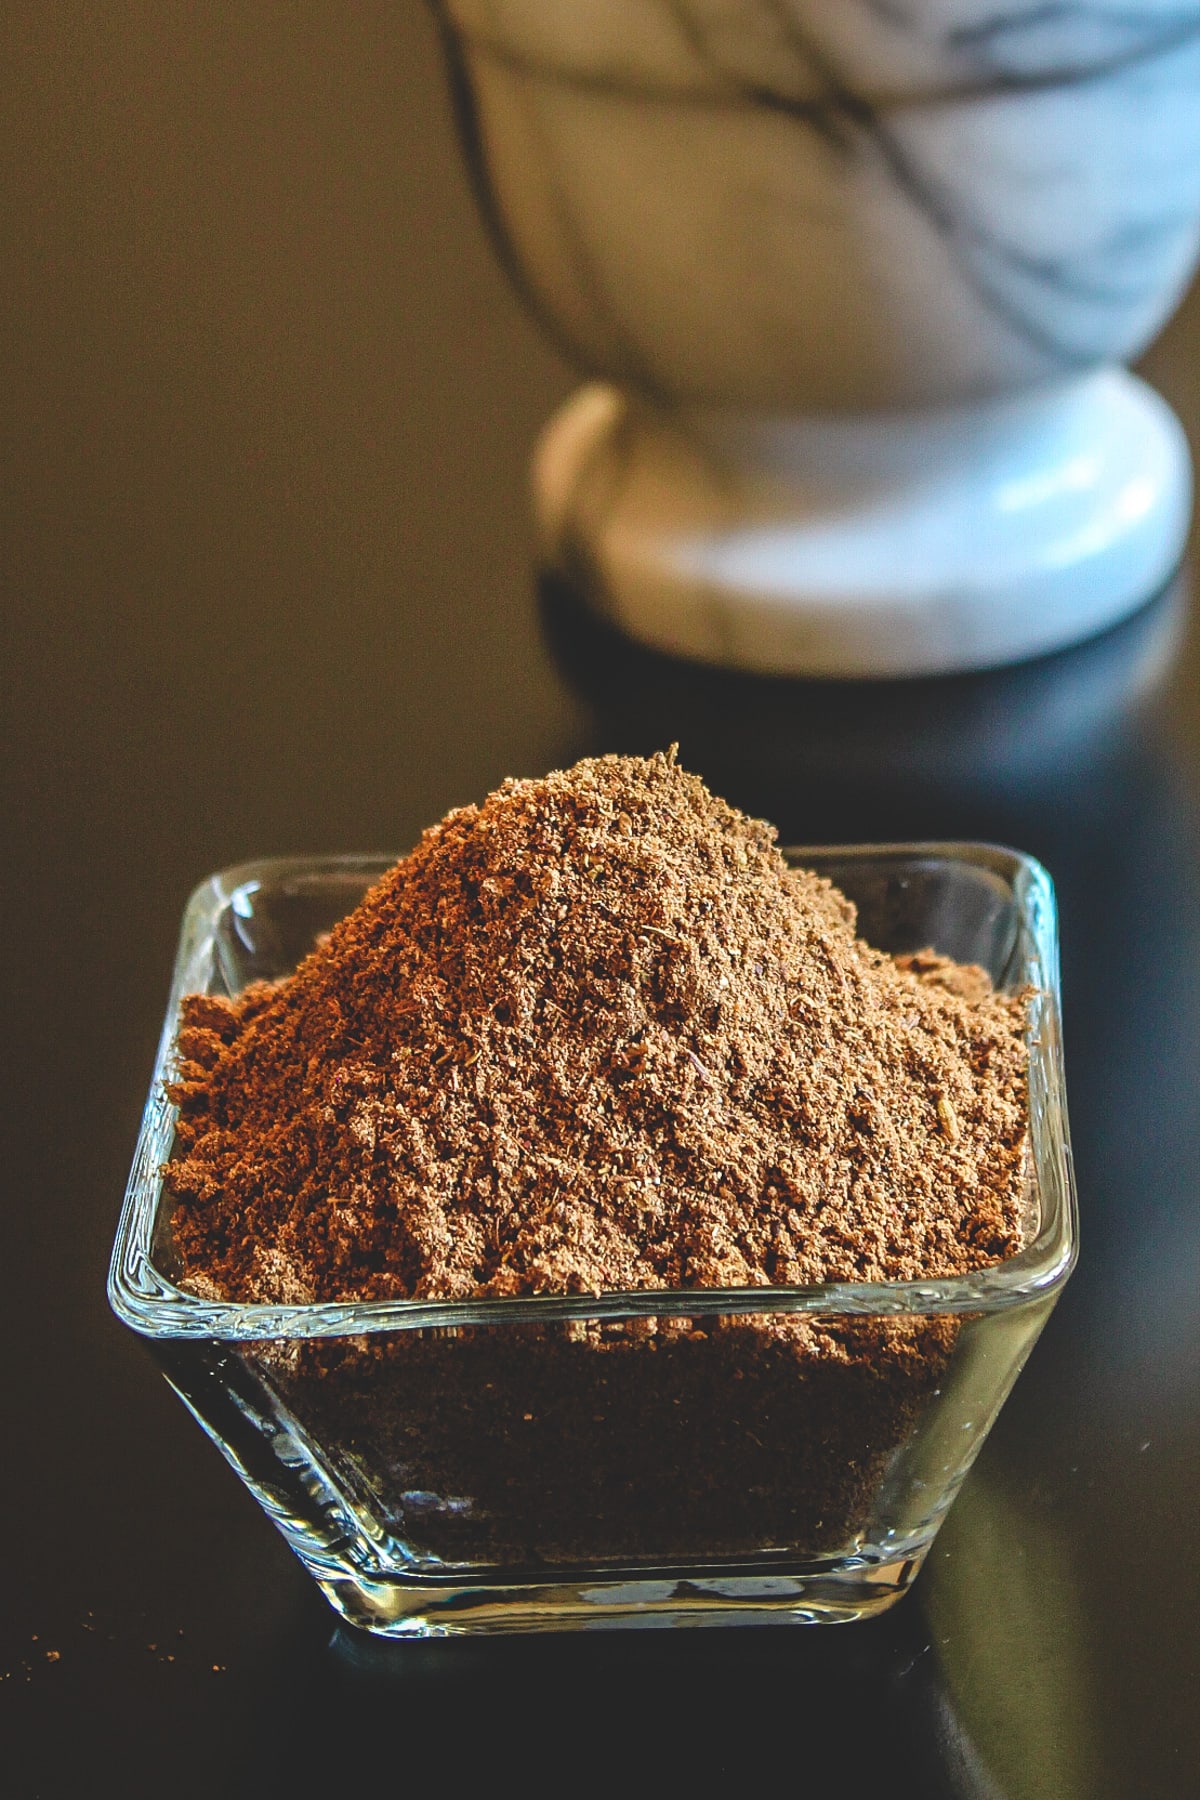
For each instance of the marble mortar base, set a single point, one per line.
(905, 544)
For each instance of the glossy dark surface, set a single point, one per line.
(266, 589)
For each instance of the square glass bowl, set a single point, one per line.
(709, 1456)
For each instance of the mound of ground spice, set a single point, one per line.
(596, 1035)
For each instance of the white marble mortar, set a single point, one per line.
(802, 223)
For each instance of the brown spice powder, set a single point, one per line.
(595, 1035)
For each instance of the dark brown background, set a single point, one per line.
(265, 409)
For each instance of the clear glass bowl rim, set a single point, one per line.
(150, 1303)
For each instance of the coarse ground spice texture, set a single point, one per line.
(596, 1035)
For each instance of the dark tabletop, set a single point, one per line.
(264, 549)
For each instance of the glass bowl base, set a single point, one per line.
(406, 1606)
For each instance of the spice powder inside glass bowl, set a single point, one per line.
(597, 1215)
